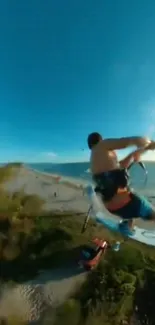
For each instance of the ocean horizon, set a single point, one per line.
(73, 170)
(80, 170)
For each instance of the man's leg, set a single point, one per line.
(147, 210)
(138, 207)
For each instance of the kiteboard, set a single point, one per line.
(107, 220)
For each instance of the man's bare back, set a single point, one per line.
(103, 160)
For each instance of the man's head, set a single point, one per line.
(93, 139)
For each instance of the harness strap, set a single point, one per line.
(115, 204)
(109, 183)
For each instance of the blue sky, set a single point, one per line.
(68, 68)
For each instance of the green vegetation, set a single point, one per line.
(121, 290)
(8, 171)
(122, 287)
(14, 165)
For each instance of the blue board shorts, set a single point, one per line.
(138, 207)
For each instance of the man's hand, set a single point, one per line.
(151, 146)
(137, 154)
(133, 156)
(143, 142)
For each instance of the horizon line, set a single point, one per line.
(59, 162)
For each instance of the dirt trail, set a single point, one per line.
(29, 300)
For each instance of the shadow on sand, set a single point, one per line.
(60, 265)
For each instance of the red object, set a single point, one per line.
(92, 254)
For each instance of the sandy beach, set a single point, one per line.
(59, 193)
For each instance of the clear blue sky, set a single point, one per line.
(68, 68)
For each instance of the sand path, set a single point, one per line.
(29, 300)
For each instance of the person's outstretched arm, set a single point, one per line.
(133, 156)
(151, 146)
(122, 143)
(125, 162)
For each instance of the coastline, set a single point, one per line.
(79, 201)
(60, 193)
(68, 180)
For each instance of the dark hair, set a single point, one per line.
(93, 139)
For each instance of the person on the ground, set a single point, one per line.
(111, 177)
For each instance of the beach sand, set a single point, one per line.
(60, 194)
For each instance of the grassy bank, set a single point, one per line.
(30, 243)
(31, 239)
(120, 291)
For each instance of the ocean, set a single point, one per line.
(80, 171)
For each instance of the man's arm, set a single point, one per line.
(122, 143)
(125, 163)
(151, 146)
(133, 156)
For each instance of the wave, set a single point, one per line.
(88, 171)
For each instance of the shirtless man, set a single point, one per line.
(105, 165)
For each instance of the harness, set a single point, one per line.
(109, 183)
